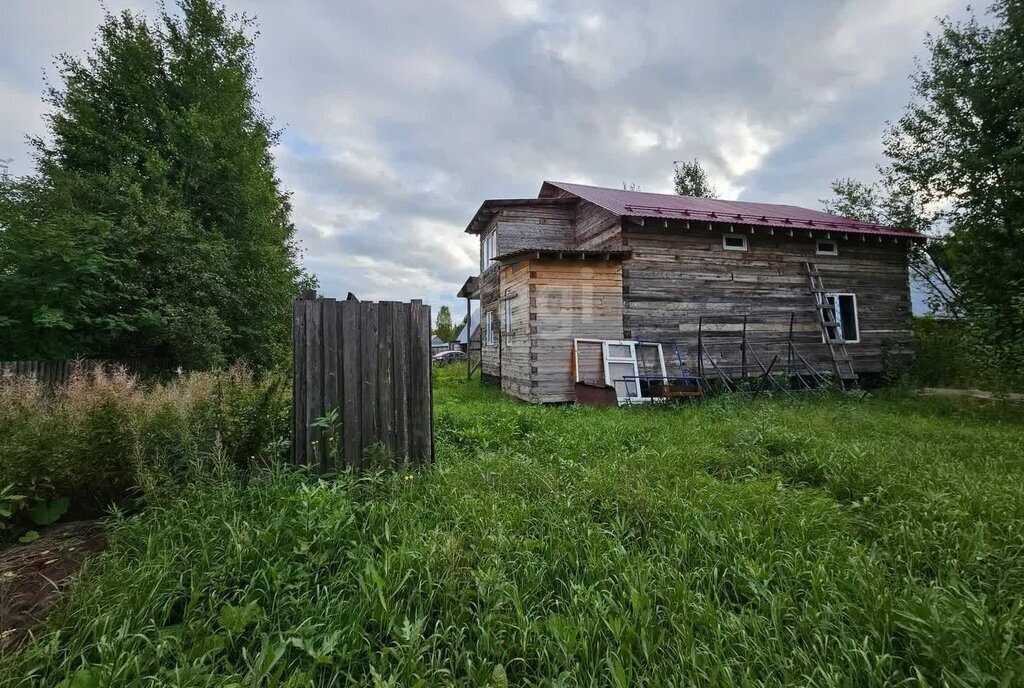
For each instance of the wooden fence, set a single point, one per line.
(52, 373)
(371, 363)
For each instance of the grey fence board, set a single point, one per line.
(400, 373)
(385, 393)
(371, 362)
(420, 438)
(351, 350)
(298, 374)
(368, 377)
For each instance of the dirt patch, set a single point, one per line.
(33, 575)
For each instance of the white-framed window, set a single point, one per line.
(630, 366)
(734, 242)
(489, 328)
(826, 247)
(508, 313)
(844, 309)
(488, 249)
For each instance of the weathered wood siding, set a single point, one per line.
(534, 226)
(515, 345)
(490, 356)
(596, 228)
(569, 299)
(675, 276)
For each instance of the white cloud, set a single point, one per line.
(744, 145)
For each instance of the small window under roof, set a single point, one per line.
(734, 242)
(826, 247)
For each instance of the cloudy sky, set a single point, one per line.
(401, 116)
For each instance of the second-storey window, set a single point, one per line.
(488, 249)
(844, 309)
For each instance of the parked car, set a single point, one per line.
(447, 357)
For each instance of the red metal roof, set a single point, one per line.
(669, 206)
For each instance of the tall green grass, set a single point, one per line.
(821, 542)
(106, 434)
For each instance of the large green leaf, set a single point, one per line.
(44, 513)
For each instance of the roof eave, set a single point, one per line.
(793, 226)
(555, 254)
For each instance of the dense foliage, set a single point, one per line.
(942, 357)
(958, 149)
(444, 329)
(929, 262)
(104, 436)
(690, 179)
(823, 542)
(954, 166)
(154, 224)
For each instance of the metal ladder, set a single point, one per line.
(842, 363)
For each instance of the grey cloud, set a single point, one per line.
(402, 116)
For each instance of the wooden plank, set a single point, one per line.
(314, 381)
(417, 437)
(298, 381)
(385, 371)
(400, 377)
(351, 387)
(370, 340)
(429, 376)
(332, 381)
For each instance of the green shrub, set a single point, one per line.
(103, 433)
(940, 354)
(966, 353)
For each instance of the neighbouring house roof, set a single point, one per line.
(436, 342)
(640, 204)
(474, 322)
(549, 254)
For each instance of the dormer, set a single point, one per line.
(509, 225)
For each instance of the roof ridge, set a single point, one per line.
(647, 204)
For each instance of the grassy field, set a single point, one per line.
(811, 542)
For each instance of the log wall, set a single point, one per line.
(569, 299)
(676, 277)
(515, 345)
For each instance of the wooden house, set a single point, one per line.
(692, 284)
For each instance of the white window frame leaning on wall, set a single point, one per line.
(624, 353)
(508, 313)
(489, 328)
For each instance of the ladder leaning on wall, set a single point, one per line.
(842, 363)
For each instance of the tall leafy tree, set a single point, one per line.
(443, 328)
(154, 223)
(879, 204)
(692, 180)
(959, 150)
